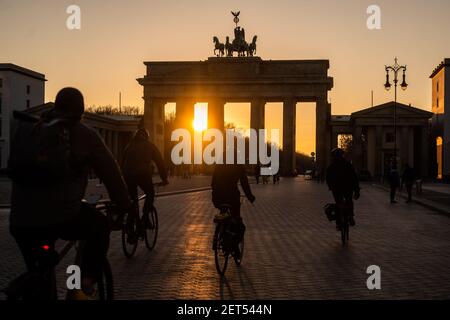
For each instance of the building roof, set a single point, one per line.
(388, 105)
(443, 64)
(112, 122)
(22, 70)
(340, 118)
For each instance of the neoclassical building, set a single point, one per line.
(116, 130)
(219, 80)
(372, 133)
(441, 119)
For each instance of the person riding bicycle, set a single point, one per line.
(49, 207)
(139, 155)
(225, 191)
(343, 182)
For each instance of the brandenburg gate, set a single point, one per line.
(242, 78)
(219, 80)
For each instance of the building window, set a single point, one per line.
(390, 137)
(437, 103)
(437, 86)
(1, 83)
(28, 104)
(28, 89)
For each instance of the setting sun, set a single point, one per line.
(200, 122)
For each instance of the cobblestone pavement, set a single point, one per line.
(292, 251)
(176, 184)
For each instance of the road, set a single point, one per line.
(292, 251)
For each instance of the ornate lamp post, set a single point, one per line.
(396, 68)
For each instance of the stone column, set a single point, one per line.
(184, 117)
(404, 147)
(425, 152)
(357, 148)
(334, 140)
(323, 135)
(257, 114)
(257, 117)
(154, 121)
(216, 114)
(289, 117)
(101, 134)
(378, 151)
(116, 144)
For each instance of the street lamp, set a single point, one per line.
(396, 68)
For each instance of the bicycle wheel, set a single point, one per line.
(344, 231)
(241, 249)
(129, 240)
(105, 285)
(150, 222)
(220, 252)
(347, 232)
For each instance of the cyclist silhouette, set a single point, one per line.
(139, 155)
(46, 203)
(225, 191)
(342, 181)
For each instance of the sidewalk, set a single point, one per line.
(437, 187)
(435, 196)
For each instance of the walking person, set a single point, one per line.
(257, 172)
(408, 179)
(394, 181)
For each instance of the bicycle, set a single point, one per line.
(40, 283)
(223, 240)
(342, 216)
(145, 228)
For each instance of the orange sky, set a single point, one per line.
(116, 36)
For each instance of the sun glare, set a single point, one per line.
(200, 117)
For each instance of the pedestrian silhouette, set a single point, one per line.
(394, 180)
(257, 172)
(408, 179)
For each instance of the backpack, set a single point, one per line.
(41, 152)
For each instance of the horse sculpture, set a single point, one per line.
(242, 48)
(218, 46)
(252, 47)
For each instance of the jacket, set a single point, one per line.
(59, 202)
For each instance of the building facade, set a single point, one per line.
(440, 79)
(245, 79)
(20, 89)
(372, 138)
(116, 130)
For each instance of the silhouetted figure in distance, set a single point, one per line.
(257, 172)
(408, 179)
(394, 181)
(343, 182)
(225, 191)
(137, 167)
